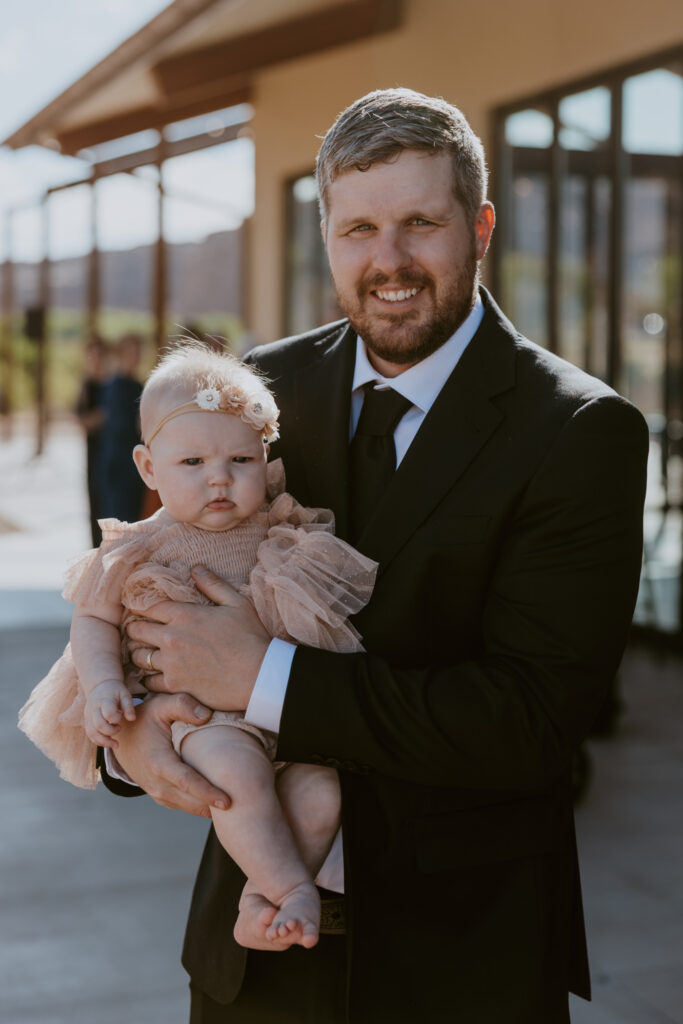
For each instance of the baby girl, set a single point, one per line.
(207, 420)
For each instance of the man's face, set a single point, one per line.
(403, 259)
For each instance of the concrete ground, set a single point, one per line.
(94, 890)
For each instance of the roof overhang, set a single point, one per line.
(194, 57)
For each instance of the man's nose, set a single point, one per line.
(392, 252)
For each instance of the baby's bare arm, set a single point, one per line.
(96, 649)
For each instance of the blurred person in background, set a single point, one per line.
(90, 415)
(119, 487)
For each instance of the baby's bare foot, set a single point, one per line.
(255, 917)
(297, 922)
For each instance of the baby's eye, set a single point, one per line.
(241, 459)
(194, 461)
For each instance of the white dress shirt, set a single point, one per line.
(421, 385)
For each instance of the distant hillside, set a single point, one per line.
(201, 277)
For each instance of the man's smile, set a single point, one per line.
(400, 295)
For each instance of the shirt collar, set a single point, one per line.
(422, 383)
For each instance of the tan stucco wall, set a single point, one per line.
(479, 54)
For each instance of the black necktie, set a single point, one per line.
(373, 455)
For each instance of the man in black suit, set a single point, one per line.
(508, 542)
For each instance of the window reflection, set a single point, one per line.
(207, 196)
(584, 126)
(309, 294)
(653, 112)
(569, 166)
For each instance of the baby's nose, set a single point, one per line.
(222, 474)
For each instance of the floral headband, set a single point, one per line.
(260, 412)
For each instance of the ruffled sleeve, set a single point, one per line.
(307, 582)
(95, 579)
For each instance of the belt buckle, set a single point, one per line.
(332, 916)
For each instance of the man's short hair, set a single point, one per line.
(379, 126)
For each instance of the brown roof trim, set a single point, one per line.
(73, 140)
(287, 40)
(204, 79)
(156, 31)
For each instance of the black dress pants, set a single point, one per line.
(300, 986)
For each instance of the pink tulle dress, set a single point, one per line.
(303, 581)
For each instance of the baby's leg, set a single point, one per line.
(254, 830)
(311, 800)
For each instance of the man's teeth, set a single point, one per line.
(398, 296)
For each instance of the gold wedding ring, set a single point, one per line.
(150, 652)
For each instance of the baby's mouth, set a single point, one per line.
(220, 504)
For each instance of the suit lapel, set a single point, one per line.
(456, 428)
(323, 407)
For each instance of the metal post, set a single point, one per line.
(7, 337)
(93, 265)
(554, 200)
(616, 242)
(160, 261)
(41, 341)
(589, 272)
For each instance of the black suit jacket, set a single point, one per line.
(509, 545)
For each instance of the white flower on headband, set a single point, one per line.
(208, 399)
(259, 411)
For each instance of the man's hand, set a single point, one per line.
(214, 652)
(145, 753)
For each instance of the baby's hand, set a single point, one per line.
(107, 704)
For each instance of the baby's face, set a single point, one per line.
(209, 469)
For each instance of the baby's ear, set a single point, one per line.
(142, 458)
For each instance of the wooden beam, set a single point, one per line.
(72, 140)
(298, 37)
(137, 47)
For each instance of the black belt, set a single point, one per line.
(332, 913)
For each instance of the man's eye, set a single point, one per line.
(364, 228)
(422, 222)
(194, 461)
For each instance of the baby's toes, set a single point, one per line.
(266, 916)
(309, 936)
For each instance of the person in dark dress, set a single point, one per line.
(119, 487)
(90, 415)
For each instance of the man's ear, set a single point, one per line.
(142, 457)
(323, 231)
(483, 228)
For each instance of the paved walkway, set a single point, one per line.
(94, 890)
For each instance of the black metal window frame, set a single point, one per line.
(618, 166)
(614, 166)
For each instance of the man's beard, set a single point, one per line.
(399, 342)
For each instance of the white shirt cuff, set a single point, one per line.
(268, 696)
(114, 769)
